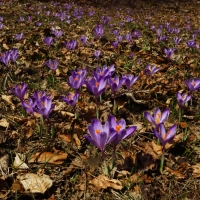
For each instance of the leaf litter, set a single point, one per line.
(58, 163)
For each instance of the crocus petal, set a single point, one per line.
(111, 135)
(130, 131)
(102, 140)
(149, 117)
(165, 115)
(112, 121)
(118, 137)
(106, 127)
(92, 133)
(157, 134)
(91, 140)
(171, 132)
(162, 132)
(122, 123)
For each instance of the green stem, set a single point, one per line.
(53, 79)
(162, 161)
(180, 114)
(113, 158)
(75, 113)
(104, 165)
(115, 107)
(97, 109)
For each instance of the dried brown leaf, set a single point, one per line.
(176, 173)
(196, 170)
(48, 157)
(103, 182)
(34, 183)
(4, 161)
(77, 140)
(4, 123)
(8, 99)
(19, 161)
(65, 138)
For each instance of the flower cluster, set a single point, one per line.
(7, 56)
(159, 131)
(112, 132)
(40, 102)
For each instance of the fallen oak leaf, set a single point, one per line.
(48, 157)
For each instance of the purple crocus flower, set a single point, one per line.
(76, 80)
(182, 98)
(71, 45)
(163, 135)
(129, 80)
(19, 36)
(37, 95)
(14, 54)
(177, 30)
(1, 18)
(83, 39)
(169, 52)
(96, 86)
(98, 30)
(91, 13)
(191, 43)
(151, 70)
(136, 34)
(98, 134)
(162, 38)
(115, 83)
(5, 57)
(193, 84)
(71, 99)
(177, 40)
(158, 31)
(104, 72)
(57, 33)
(48, 13)
(128, 19)
(29, 18)
(119, 38)
(19, 91)
(81, 72)
(1, 25)
(52, 64)
(128, 37)
(158, 117)
(118, 130)
(131, 55)
(97, 53)
(48, 41)
(44, 106)
(21, 19)
(29, 105)
(115, 44)
(38, 23)
(170, 30)
(116, 32)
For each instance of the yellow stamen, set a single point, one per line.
(158, 116)
(118, 128)
(43, 103)
(97, 131)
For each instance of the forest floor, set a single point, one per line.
(47, 156)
